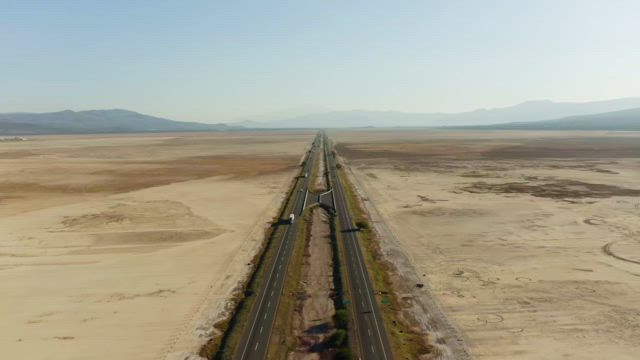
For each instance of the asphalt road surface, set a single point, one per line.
(255, 339)
(369, 326)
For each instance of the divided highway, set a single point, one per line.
(372, 338)
(369, 327)
(255, 339)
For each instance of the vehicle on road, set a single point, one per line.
(291, 218)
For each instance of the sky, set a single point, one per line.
(216, 61)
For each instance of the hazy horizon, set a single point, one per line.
(212, 62)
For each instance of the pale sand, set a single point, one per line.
(522, 277)
(139, 274)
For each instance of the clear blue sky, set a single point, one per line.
(215, 61)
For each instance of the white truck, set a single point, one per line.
(291, 218)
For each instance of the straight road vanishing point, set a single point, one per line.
(371, 336)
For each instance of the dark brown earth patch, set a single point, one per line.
(478, 174)
(103, 218)
(496, 149)
(416, 151)
(17, 154)
(555, 190)
(429, 200)
(138, 215)
(593, 221)
(573, 148)
(121, 296)
(152, 237)
(125, 176)
(64, 337)
(448, 212)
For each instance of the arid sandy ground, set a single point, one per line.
(128, 247)
(530, 241)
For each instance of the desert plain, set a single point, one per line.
(130, 247)
(529, 242)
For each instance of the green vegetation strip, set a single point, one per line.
(406, 343)
(342, 318)
(221, 347)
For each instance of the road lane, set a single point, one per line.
(255, 339)
(369, 325)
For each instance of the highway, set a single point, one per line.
(369, 326)
(255, 338)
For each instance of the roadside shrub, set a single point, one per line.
(362, 224)
(341, 319)
(344, 354)
(338, 338)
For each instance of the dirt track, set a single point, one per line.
(314, 321)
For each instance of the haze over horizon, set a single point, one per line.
(213, 62)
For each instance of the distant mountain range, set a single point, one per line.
(96, 121)
(524, 112)
(619, 114)
(624, 120)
